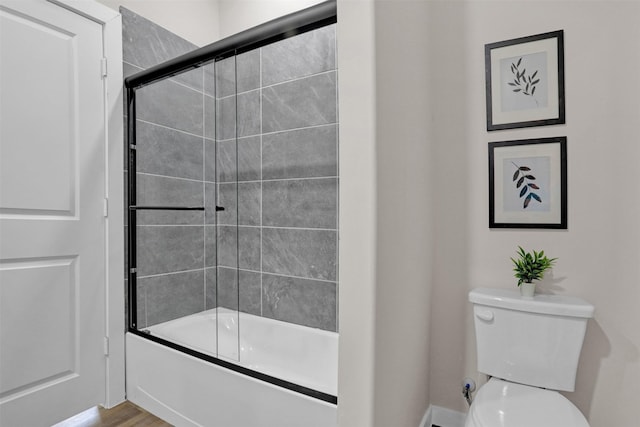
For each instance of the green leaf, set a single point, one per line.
(523, 191)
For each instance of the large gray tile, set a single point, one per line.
(309, 203)
(174, 295)
(239, 241)
(241, 202)
(226, 161)
(247, 165)
(211, 201)
(301, 301)
(169, 104)
(249, 202)
(168, 152)
(302, 253)
(243, 69)
(228, 198)
(309, 53)
(247, 113)
(300, 103)
(247, 296)
(166, 249)
(210, 239)
(300, 153)
(248, 70)
(155, 190)
(225, 110)
(211, 299)
(209, 117)
(146, 44)
(209, 160)
(209, 78)
(225, 77)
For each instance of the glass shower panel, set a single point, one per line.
(226, 225)
(173, 212)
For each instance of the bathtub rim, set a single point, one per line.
(325, 397)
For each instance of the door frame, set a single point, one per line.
(111, 22)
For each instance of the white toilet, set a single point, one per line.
(530, 348)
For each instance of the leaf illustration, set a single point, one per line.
(520, 181)
(515, 175)
(532, 185)
(524, 168)
(533, 76)
(523, 191)
(519, 61)
(533, 90)
(535, 82)
(517, 90)
(527, 201)
(535, 196)
(511, 84)
(530, 177)
(527, 88)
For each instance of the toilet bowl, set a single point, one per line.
(530, 348)
(502, 403)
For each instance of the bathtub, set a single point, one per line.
(187, 391)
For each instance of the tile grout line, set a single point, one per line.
(279, 83)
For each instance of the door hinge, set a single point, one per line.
(106, 346)
(105, 209)
(103, 67)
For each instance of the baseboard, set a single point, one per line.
(442, 417)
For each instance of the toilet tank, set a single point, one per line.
(534, 341)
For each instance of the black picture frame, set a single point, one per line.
(528, 183)
(525, 81)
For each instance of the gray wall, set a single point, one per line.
(283, 204)
(170, 156)
(280, 222)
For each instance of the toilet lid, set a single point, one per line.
(503, 404)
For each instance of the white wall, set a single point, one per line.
(239, 15)
(194, 20)
(385, 213)
(599, 255)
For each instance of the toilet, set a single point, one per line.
(530, 348)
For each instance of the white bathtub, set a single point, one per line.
(187, 391)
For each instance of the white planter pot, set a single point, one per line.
(527, 289)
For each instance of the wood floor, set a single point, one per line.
(125, 414)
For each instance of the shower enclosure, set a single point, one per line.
(232, 209)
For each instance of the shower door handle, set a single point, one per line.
(219, 208)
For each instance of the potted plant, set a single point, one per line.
(528, 267)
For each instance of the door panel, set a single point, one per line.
(52, 228)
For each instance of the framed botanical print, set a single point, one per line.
(525, 81)
(528, 183)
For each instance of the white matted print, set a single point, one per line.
(527, 183)
(525, 81)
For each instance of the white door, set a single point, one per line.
(52, 225)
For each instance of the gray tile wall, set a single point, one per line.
(273, 251)
(281, 210)
(173, 164)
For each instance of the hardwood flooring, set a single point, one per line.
(125, 414)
